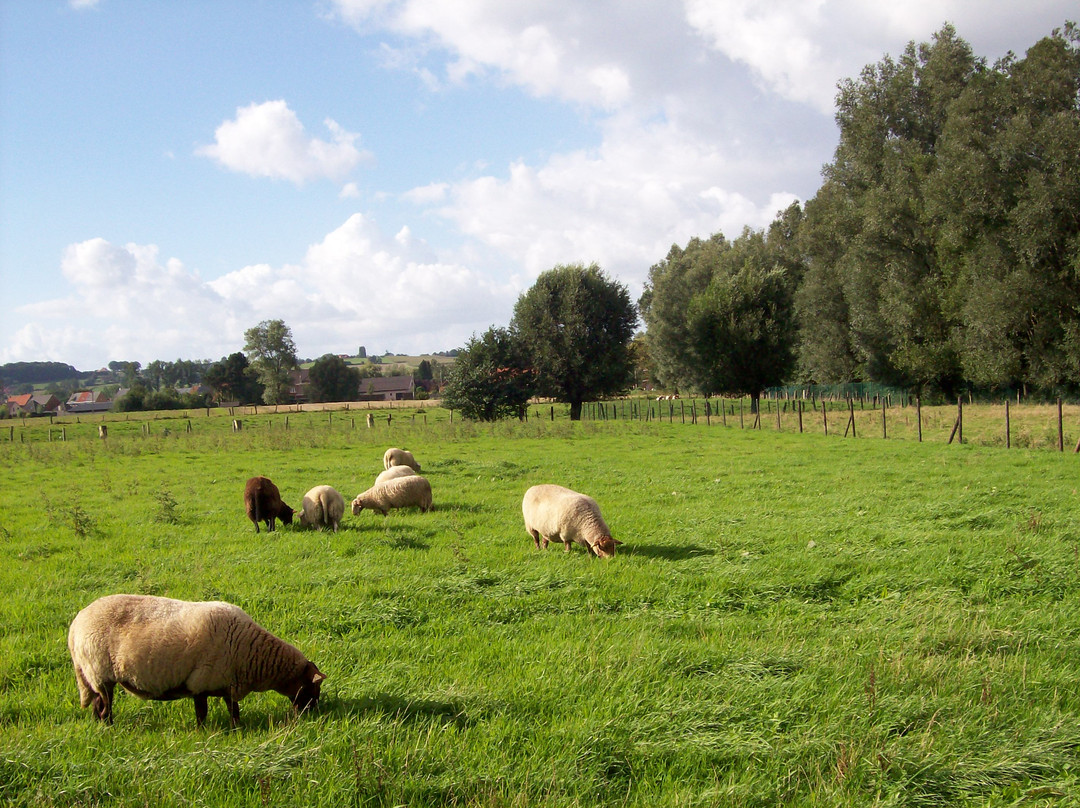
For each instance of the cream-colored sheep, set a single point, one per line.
(163, 649)
(322, 506)
(554, 513)
(393, 473)
(404, 492)
(400, 457)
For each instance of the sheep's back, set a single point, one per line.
(554, 510)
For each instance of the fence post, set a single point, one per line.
(800, 415)
(1061, 433)
(884, 434)
(918, 415)
(1008, 431)
(740, 413)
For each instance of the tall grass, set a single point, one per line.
(792, 619)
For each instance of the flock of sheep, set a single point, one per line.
(163, 649)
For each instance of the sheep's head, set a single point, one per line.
(305, 691)
(357, 506)
(605, 547)
(285, 514)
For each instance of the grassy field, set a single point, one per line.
(793, 619)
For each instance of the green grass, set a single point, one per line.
(793, 619)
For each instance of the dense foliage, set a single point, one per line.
(720, 315)
(491, 378)
(577, 324)
(273, 352)
(233, 379)
(15, 373)
(330, 379)
(943, 249)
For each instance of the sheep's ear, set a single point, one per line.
(616, 541)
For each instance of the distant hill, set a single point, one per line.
(37, 372)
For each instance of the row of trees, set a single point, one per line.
(943, 248)
(942, 252)
(569, 339)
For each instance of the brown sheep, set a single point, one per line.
(262, 501)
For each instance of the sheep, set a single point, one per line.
(554, 513)
(403, 492)
(262, 500)
(163, 649)
(400, 457)
(322, 505)
(394, 472)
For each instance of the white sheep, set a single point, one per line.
(400, 457)
(322, 506)
(393, 473)
(554, 513)
(403, 492)
(164, 649)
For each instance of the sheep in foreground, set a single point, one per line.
(393, 473)
(164, 649)
(554, 513)
(400, 457)
(404, 492)
(262, 501)
(322, 506)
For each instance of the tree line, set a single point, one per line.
(941, 254)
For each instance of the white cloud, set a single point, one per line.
(79, 5)
(349, 190)
(355, 287)
(268, 140)
(622, 206)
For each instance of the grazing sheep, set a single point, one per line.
(164, 649)
(400, 457)
(393, 473)
(554, 513)
(404, 492)
(322, 505)
(262, 500)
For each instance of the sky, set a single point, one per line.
(394, 174)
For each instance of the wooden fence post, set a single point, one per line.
(884, 433)
(1061, 433)
(1008, 430)
(824, 417)
(918, 415)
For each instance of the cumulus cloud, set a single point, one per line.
(355, 287)
(268, 140)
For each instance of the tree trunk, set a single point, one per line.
(575, 410)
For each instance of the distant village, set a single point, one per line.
(372, 388)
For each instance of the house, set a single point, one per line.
(299, 386)
(387, 388)
(87, 401)
(33, 404)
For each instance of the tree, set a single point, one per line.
(576, 325)
(424, 371)
(333, 380)
(491, 377)
(720, 315)
(271, 345)
(233, 379)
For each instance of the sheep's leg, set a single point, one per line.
(535, 537)
(200, 708)
(234, 710)
(102, 702)
(270, 523)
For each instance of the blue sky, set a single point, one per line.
(394, 173)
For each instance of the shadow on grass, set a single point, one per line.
(404, 709)
(667, 552)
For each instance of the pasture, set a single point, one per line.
(793, 619)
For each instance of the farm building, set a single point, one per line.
(87, 401)
(387, 388)
(33, 404)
